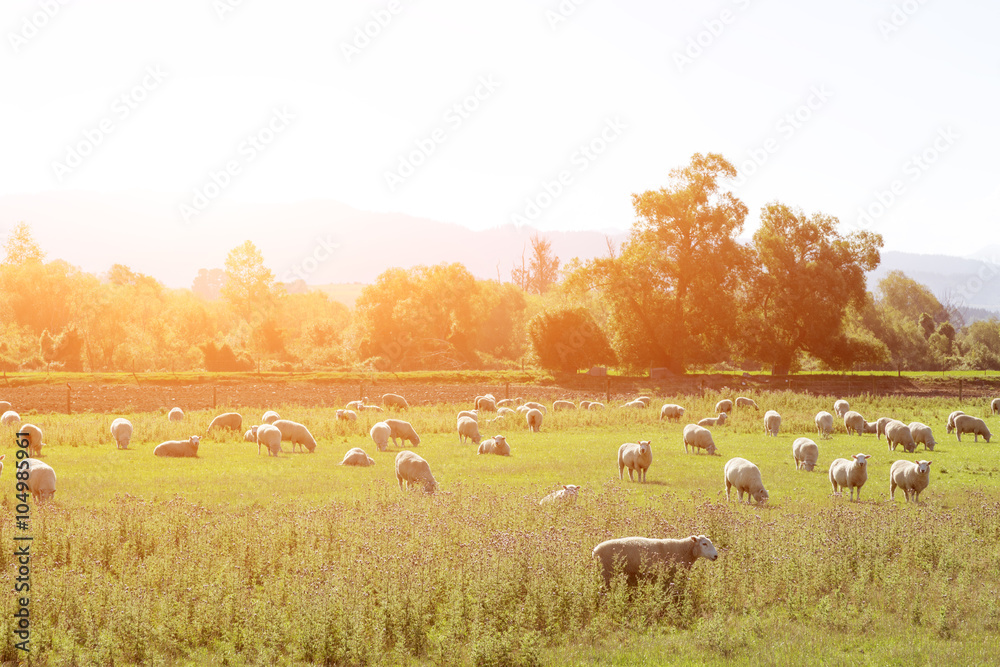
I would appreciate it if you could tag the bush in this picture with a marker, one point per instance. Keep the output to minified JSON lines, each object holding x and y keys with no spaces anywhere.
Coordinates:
{"x":569,"y":340}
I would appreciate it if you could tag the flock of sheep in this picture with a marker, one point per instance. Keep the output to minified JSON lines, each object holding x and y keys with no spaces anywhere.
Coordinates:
{"x":635,"y":556}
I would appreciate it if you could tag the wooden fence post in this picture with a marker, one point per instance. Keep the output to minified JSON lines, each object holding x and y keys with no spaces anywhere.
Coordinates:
{"x":69,"y":391}
{"x":960,"y":388}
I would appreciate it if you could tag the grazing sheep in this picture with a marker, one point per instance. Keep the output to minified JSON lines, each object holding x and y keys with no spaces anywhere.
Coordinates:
{"x":841,"y":407}
{"x":595,"y":406}
{"x":745,"y":476}
{"x":806,"y":453}
{"x":175,"y":415}
{"x":357,"y":457}
{"x":713,"y":421}
{"x":584,"y":405}
{"x":951,"y":420}
{"x":34,"y":439}
{"x":725,"y":405}
{"x":911,"y":476}
{"x":534,"y":419}
{"x":271,"y":416}
{"x":853,"y":421}
{"x":495,"y":445}
{"x":347,"y":415}
{"x":178,"y":448}
{"x":487,"y":403}
{"x":296,"y":433}
{"x":380,"y":433}
{"x":533,"y":405}
{"x":645,"y":399}
{"x":563,"y":405}
{"x":744,"y":402}
{"x":402,"y":430}
{"x":251,"y":434}
{"x":671,"y":412}
{"x":468,"y":428}
{"x":411,"y":469}
{"x":370,"y":408}
{"x":41,"y":480}
{"x":974,"y":425}
{"x":922,"y":435}
{"x":634,"y":404}
{"x":637,"y":457}
{"x":269,"y":436}
{"x":642,"y":557}
{"x":395,"y":401}
{"x":568,"y":493}
{"x":469,"y":413}
{"x":849,"y":474}
{"x":121,"y":431}
{"x":871,"y":427}
{"x":994,"y":406}
{"x":230,"y":420}
{"x":698,"y":437}
{"x":357,"y":405}
{"x":503,"y":412}
{"x":880,"y":426}
{"x":772,"y":422}
{"x":10,"y":418}
{"x":897,"y":433}
{"x":824,"y":424}
{"x":509,"y":402}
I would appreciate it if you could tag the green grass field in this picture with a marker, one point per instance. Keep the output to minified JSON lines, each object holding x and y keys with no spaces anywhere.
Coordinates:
{"x":235,"y":558}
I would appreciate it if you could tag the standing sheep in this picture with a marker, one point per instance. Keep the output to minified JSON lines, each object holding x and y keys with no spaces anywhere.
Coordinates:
{"x":639,"y":405}
{"x":380,"y":433}
{"x":970,"y":424}
{"x":841,"y":407}
{"x":849,"y":474}
{"x":671,"y":412}
{"x":806,"y":453}
{"x":853,"y":421}
{"x":411,"y":469}
{"x":503,"y":412}
{"x":642,"y":557}
{"x":251,"y":434}
{"x":646,"y":400}
{"x":534,"y":419}
{"x":994,"y":406}
{"x":295,"y":433}
{"x":698,"y":437}
{"x":178,"y":448}
{"x":637,"y":457}
{"x":951,"y":420}
{"x":824,"y":424}
{"x":584,"y":405}
{"x":911,"y":476}
{"x":563,"y":405}
{"x":470,"y":413}
{"x":269,"y":436}
{"x":232,"y":421}
{"x":745,"y":476}
{"x":595,"y":406}
{"x":533,"y":405}
{"x":724,"y":405}
{"x":880,"y":426}
{"x":744,"y":402}
{"x":468,"y":428}
{"x":175,"y":415}
{"x":713,"y":421}
{"x":897,"y":433}
{"x":487,"y":403}
{"x":347,"y":415}
{"x":402,"y":430}
{"x":34,"y":439}
{"x":41,"y":479}
{"x":121,"y":431}
{"x":357,"y":457}
{"x":568,"y":493}
{"x":772,"y":423}
{"x":922,"y":435}
{"x":395,"y":401}
{"x":357,"y":405}
{"x":495,"y":445}
{"x":271,"y":416}
{"x":10,"y":418}
{"x":509,"y":402}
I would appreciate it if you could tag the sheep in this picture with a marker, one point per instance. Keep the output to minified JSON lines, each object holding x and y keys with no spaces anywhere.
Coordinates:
{"x":824,"y":424}
{"x":395,"y":401}
{"x":178,"y":448}
{"x":994,"y":406}
{"x":634,"y":404}
{"x":637,"y":457}
{"x":468,"y":428}
{"x":370,"y":408}
{"x":121,"y":431}
{"x":175,"y":415}
{"x":671,"y":412}
{"x":509,"y":402}
{"x":487,"y":403}
{"x":269,"y":435}
{"x":853,"y":421}
{"x":585,"y":404}
{"x":411,"y":469}
{"x":495,"y":445}
{"x":469,"y":413}
{"x":10,"y":418}
{"x":880,"y":426}
{"x":713,"y":421}
{"x":533,"y":418}
{"x":5,"y":406}
{"x":503,"y":412}
{"x":744,"y":402}
{"x":698,"y":437}
{"x":271,"y":416}
{"x":974,"y":425}
{"x":725,"y":405}
{"x":951,"y":420}
{"x":231,"y":420}
{"x":642,"y":557}
{"x":34,"y":439}
{"x":645,"y":399}
{"x":357,"y":457}
{"x":911,"y":476}
{"x":568,"y":493}
{"x":533,"y":405}
{"x":402,"y":430}
{"x":347,"y":415}
{"x":849,"y":474}
{"x":841,"y":407}
{"x":357,"y":405}
{"x":897,"y":433}
{"x":772,"y":422}
{"x":41,"y":480}
{"x":380,"y":433}
{"x":595,"y":406}
{"x":563,"y":405}
{"x":922,"y":435}
{"x":745,"y":476}
{"x":296,"y":433}
{"x":806,"y":453}
{"x":251,"y":434}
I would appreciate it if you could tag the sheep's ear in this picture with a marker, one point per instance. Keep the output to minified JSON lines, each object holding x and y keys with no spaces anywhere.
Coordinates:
{"x":694,"y":538}
{"x":566,"y":486}
{"x":2,"y":457}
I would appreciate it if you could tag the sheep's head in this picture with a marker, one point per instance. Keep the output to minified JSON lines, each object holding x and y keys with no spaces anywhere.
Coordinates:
{"x":711,"y":448}
{"x":722,"y":418}
{"x":760,"y":496}
{"x":194,"y":440}
{"x":644,"y":447}
{"x":500,"y":440}
{"x":923,"y":467}
{"x":861,"y":460}
{"x":570,"y":489}
{"x":703,"y":547}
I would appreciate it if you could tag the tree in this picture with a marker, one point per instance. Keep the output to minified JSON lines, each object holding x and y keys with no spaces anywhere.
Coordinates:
{"x":21,"y":247}
{"x":208,"y":283}
{"x":569,"y":339}
{"x":542,"y":269}
{"x":927,"y":324}
{"x":910,"y":298}
{"x":250,"y":286}
{"x":65,"y":349}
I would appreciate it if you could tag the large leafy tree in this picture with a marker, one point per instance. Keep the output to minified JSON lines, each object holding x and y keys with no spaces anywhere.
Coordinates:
{"x":569,"y":339}
{"x":250,"y":287}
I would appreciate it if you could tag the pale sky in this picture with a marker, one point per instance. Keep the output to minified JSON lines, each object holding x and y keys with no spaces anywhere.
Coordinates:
{"x":835,"y":99}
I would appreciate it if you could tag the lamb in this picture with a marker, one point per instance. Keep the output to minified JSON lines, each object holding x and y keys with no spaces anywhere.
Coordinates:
{"x":271,"y":416}
{"x":745,"y":476}
{"x":175,"y":415}
{"x":637,"y":457}
{"x":671,"y":412}
{"x":230,"y":420}
{"x":347,"y":415}
{"x":178,"y":448}
{"x":568,"y":493}
{"x":713,"y":421}
{"x":251,"y":434}
{"x":951,"y":420}
{"x":41,"y":479}
{"x":698,"y":438}
{"x":898,"y":433}
{"x":357,"y":457}
{"x":744,"y":402}
{"x":772,"y":422}
{"x":411,"y":469}
{"x":824,"y":424}
{"x":10,"y":418}
{"x":880,"y":426}
{"x":468,"y":428}
{"x":974,"y":425}
{"x":841,"y":407}
{"x":849,"y":475}
{"x":853,"y":421}
{"x":380,"y":433}
{"x":584,"y":405}
{"x":806,"y":453}
{"x":994,"y":406}
{"x":534,"y":419}
{"x":469,"y":413}
{"x":595,"y":406}
{"x":911,"y":476}
{"x":725,"y":405}
{"x":402,"y":430}
{"x":563,"y":405}
{"x":395,"y":401}
{"x":533,"y":405}
{"x":269,"y":435}
{"x":643,"y":557}
{"x":487,"y":403}
{"x":295,"y":433}
{"x":34,"y":439}
{"x":121,"y":431}
{"x":922,"y":435}
{"x":495,"y":445}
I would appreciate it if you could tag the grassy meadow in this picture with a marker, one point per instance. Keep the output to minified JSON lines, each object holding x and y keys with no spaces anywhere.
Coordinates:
{"x":238,"y":558}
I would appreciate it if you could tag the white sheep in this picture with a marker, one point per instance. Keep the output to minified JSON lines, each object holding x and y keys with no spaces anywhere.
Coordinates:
{"x":635,"y":456}
{"x":974,"y":425}
{"x":269,"y":436}
{"x":841,"y":407}
{"x":806,"y":453}
{"x":671,"y":412}
{"x":853,"y":421}
{"x":251,"y":434}
{"x":568,"y":493}
{"x":880,"y":426}
{"x":357,"y":457}
{"x":698,"y":437}
{"x":634,"y":404}
{"x":411,"y":469}
{"x":271,"y":416}
{"x":951,"y":420}
{"x":645,"y":399}
{"x":296,"y":433}
{"x":468,"y":428}
{"x":911,"y":476}
{"x":641,"y":557}
{"x":725,"y":405}
{"x":121,"y":431}
{"x":175,"y":415}
{"x":585,"y":404}
{"x":370,"y":408}
{"x":178,"y":448}
{"x":563,"y":405}
{"x":10,"y":418}
{"x":922,"y":435}
{"x":347,"y":415}
{"x":849,"y":474}
{"x":713,"y":421}
{"x":495,"y":445}
{"x":534,"y":405}
{"x":745,"y":476}
{"x":41,"y":480}
{"x":534,"y":419}
{"x":509,"y":402}
{"x":357,"y":405}
{"x":380,"y":433}
{"x":503,"y":412}
{"x":772,"y":422}
{"x":402,"y":430}
{"x":595,"y":406}
{"x":744,"y":402}
{"x":995,"y":406}
{"x":232,"y":421}
{"x":469,"y":413}
{"x":824,"y":424}
{"x":898,"y":433}
{"x":34,"y":439}
{"x":395,"y":401}
{"x":5,"y":406}
{"x":487,"y":403}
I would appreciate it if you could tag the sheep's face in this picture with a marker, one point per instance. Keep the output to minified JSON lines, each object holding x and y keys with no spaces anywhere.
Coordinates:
{"x":644,"y":447}
{"x":722,"y":418}
{"x":703,"y":547}
{"x":48,"y":494}
{"x":500,"y":440}
{"x":194,"y":440}
{"x":761,"y":496}
{"x":861,"y":460}
{"x":923,"y":467}
{"x":571,"y":490}
{"x":711,"y":448}
{"x":807,"y":466}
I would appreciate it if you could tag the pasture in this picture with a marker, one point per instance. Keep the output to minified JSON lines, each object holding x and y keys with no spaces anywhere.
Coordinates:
{"x":239,"y":558}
